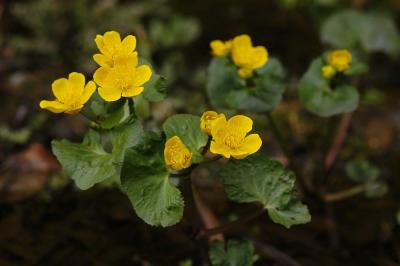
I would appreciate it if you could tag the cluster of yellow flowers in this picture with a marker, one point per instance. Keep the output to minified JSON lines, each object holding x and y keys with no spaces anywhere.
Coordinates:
{"x":245,"y":56}
{"x":338,"y":61}
{"x":118,"y":76}
{"x":228,"y":138}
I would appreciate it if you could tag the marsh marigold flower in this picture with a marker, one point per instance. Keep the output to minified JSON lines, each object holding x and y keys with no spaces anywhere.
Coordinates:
{"x":246,"y":56}
{"x":111,"y":48}
{"x":207,"y":120}
{"x":220,"y":48}
{"x":229,"y":137}
{"x":71,"y":94}
{"x":340,"y":60}
{"x":176,"y":155}
{"x":328,"y":71}
{"x":125,"y":79}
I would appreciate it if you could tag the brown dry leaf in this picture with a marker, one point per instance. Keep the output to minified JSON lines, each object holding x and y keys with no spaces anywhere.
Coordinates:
{"x":25,"y":173}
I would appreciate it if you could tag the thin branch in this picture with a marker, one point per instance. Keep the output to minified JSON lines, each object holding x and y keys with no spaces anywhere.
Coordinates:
{"x":344,"y":194}
{"x":275,"y":254}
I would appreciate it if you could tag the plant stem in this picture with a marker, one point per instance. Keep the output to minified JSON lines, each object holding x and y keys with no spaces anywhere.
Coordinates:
{"x":230,"y":225}
{"x":206,"y":215}
{"x":344,"y":194}
{"x":338,"y":141}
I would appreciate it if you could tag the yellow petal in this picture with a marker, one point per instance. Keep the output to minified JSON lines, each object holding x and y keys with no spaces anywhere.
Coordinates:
{"x":219,"y":148}
{"x":260,"y":56}
{"x":77,"y":80}
{"x":53,"y":106}
{"x":112,"y":40}
{"x":88,"y":91}
{"x":130,"y":60}
{"x":101,"y":59}
{"x":251,"y":144}
{"x":109,"y":94}
{"x":132,"y":91}
{"x":75,"y":110}
{"x":241,"y":41}
{"x":100,"y":75}
{"x":60,"y":88}
{"x":217,"y":130}
{"x":240,"y":123}
{"x":100,"y":43}
{"x":142,"y":75}
{"x":128,"y":44}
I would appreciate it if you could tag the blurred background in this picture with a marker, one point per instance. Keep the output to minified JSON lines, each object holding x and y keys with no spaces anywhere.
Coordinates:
{"x":45,"y":220}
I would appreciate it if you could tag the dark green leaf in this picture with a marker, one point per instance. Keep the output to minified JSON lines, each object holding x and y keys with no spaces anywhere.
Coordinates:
{"x":222,"y":79}
{"x":237,"y":253}
{"x":227,"y":90}
{"x":261,"y":179}
{"x":362,"y":171}
{"x":155,"y":90}
{"x":117,"y":113}
{"x":145,"y":180}
{"x":187,"y":128}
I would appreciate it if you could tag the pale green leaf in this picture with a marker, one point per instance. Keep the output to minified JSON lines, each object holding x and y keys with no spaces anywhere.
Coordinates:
{"x":319,"y":98}
{"x":86,"y":163}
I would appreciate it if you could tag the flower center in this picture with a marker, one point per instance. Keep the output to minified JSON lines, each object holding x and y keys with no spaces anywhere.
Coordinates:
{"x":233,"y":140}
{"x":177,"y":155}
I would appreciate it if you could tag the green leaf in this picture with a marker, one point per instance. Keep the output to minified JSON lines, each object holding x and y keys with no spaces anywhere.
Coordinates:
{"x":362,"y":171}
{"x":187,"y":128}
{"x":222,"y":78}
{"x":373,"y":32}
{"x":124,"y":136}
{"x":227,"y":90}
{"x":237,"y":253}
{"x":261,"y":179}
{"x":155,"y":90}
{"x":319,"y":98}
{"x":86,"y":163}
{"x":265,"y":94}
{"x":144,"y":178}
{"x":117,"y":113}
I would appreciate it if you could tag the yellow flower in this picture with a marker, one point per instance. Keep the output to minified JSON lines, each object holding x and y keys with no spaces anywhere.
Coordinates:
{"x":246,"y":56}
{"x":340,"y":60}
{"x":328,"y":71}
{"x":71,"y":94}
{"x":220,"y":48}
{"x":207,"y":120}
{"x":122,"y":80}
{"x":111,"y":48}
{"x":176,"y":155}
{"x":229,"y":137}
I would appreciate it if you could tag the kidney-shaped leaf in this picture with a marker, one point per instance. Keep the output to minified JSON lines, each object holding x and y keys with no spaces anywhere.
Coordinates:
{"x":261,"y":179}
{"x":86,"y":163}
{"x":319,"y":98}
{"x":145,"y":179}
